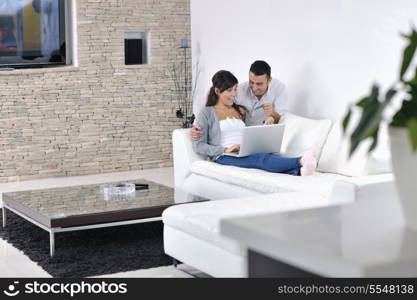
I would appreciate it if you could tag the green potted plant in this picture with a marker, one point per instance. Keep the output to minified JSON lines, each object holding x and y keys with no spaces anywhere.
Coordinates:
{"x":402,"y":127}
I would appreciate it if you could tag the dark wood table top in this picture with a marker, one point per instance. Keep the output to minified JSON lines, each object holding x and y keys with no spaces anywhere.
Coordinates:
{"x":87,"y":205}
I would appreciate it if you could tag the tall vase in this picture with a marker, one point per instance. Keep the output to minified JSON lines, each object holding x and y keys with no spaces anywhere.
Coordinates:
{"x":404,"y":163}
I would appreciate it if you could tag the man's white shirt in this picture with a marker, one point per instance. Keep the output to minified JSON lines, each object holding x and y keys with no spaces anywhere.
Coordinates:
{"x":276,"y":95}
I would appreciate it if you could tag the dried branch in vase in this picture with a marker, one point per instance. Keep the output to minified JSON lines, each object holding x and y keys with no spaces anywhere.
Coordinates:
{"x":184,"y":88}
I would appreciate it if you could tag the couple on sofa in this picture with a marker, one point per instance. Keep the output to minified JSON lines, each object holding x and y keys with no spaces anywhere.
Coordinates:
{"x":220,"y":124}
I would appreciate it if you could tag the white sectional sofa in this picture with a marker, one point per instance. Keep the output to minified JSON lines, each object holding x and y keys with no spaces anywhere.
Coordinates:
{"x":191,"y":232}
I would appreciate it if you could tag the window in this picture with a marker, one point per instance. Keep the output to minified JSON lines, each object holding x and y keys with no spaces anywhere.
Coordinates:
{"x":34,"y":33}
{"x":136,"y":47}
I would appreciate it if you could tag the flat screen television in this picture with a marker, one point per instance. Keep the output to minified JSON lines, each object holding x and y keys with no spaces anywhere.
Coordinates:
{"x":32,"y":33}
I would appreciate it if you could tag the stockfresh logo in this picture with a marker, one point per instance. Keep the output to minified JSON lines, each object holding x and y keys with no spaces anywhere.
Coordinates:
{"x":12,"y":290}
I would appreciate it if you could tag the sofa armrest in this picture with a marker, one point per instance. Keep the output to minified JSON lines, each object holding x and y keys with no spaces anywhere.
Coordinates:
{"x":362,"y":188}
{"x":183,"y":155}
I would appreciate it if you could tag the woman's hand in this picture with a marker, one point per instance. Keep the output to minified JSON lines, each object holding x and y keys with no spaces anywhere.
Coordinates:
{"x":234,"y":148}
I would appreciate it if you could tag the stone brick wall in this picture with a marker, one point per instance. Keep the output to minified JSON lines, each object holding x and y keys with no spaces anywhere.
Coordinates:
{"x":100,"y":116}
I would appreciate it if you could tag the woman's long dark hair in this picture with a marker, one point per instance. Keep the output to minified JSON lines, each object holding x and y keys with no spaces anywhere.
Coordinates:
{"x":223,"y":80}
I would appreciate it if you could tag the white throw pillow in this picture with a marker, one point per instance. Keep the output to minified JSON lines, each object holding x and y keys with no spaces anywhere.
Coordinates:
{"x":335,"y":156}
{"x":302,"y":135}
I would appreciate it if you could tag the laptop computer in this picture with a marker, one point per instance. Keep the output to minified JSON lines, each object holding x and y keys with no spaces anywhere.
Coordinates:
{"x":263,"y":138}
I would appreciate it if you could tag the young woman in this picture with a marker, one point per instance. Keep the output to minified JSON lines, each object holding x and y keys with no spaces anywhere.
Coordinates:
{"x":222,"y":123}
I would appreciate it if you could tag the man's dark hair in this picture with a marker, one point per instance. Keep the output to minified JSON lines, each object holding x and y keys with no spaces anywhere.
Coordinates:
{"x":260,"y":67}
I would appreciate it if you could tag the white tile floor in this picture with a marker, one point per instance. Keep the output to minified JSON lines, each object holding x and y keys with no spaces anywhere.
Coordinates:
{"x":13,"y":263}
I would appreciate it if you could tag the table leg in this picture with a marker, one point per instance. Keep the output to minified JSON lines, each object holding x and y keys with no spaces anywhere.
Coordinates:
{"x":4,"y":216}
{"x":52,"y":242}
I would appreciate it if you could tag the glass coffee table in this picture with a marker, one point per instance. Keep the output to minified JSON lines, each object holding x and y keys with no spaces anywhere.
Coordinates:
{"x":86,"y":207}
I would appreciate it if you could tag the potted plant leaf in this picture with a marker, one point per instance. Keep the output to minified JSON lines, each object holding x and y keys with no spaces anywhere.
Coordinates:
{"x":402,"y":127}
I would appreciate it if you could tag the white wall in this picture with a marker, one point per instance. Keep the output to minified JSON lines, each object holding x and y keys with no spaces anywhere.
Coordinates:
{"x":328,"y":52}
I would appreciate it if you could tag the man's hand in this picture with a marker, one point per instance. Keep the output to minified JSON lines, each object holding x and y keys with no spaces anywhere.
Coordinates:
{"x":272,"y":114}
{"x":269,"y":121}
{"x":234,"y":148}
{"x":195,"y":133}
{"x":268,"y":109}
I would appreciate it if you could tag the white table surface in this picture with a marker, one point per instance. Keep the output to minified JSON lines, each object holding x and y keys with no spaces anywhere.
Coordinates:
{"x":363,"y":239}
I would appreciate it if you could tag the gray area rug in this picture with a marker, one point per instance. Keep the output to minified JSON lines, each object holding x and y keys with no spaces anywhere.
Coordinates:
{"x":89,"y":252}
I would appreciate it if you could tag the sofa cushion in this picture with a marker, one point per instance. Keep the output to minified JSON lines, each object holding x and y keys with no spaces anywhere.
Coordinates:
{"x":202,"y":220}
{"x":266,"y":182}
{"x":302,"y":135}
{"x":335,"y":156}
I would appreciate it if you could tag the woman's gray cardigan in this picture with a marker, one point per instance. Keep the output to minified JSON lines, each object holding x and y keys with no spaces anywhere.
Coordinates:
{"x":210,"y":142}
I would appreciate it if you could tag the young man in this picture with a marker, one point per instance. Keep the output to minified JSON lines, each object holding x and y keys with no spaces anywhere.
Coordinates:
{"x":264,"y":97}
